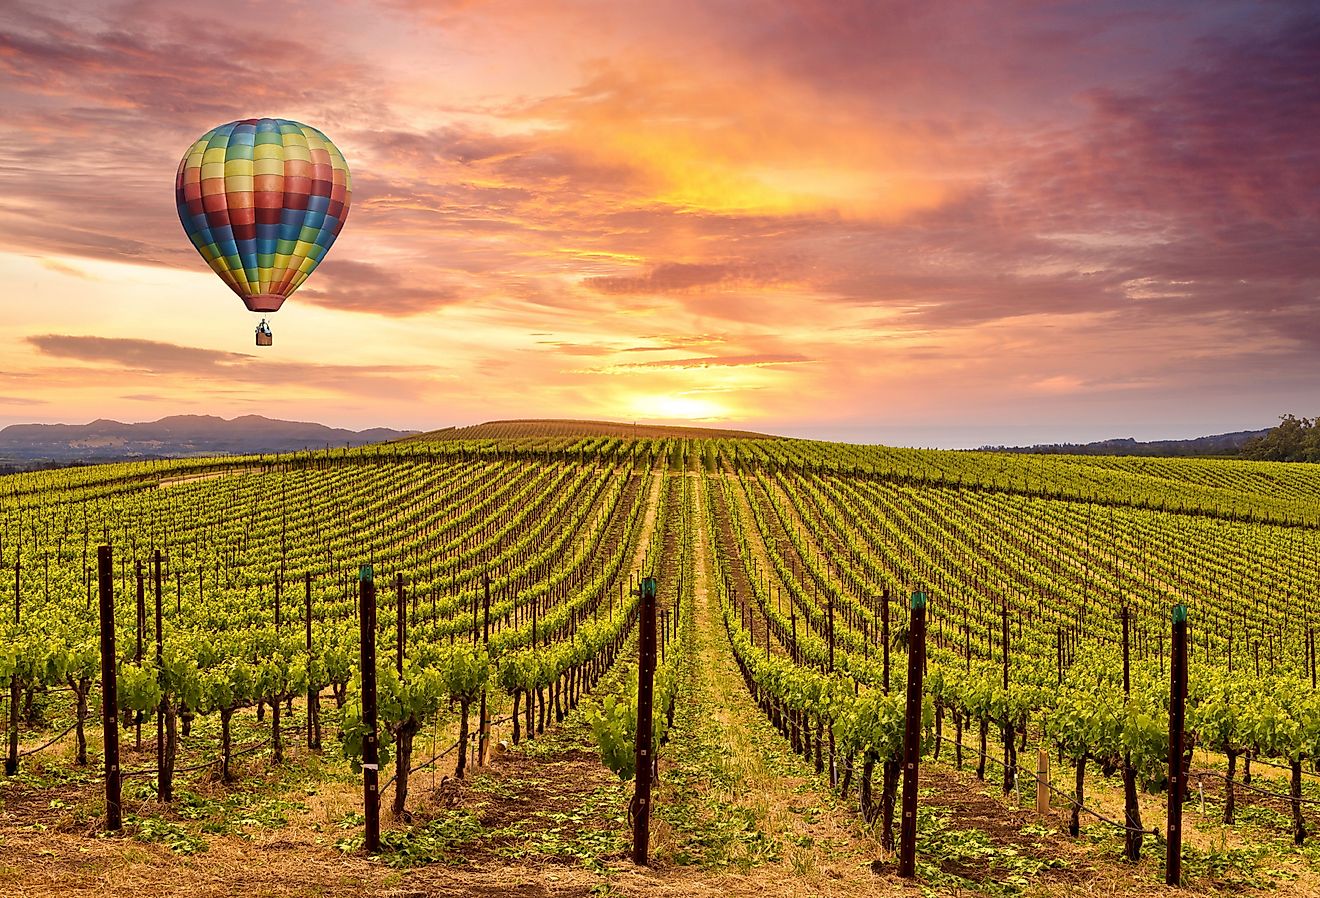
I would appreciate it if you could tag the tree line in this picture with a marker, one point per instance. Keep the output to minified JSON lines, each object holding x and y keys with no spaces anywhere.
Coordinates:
{"x":1293,"y":439}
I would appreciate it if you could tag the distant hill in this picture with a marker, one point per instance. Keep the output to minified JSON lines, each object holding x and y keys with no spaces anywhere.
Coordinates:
{"x":563,"y":427}
{"x":1218,"y":444}
{"x":38,"y":445}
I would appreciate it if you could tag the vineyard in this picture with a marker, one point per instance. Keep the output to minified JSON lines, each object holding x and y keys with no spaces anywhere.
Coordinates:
{"x":499,"y":578}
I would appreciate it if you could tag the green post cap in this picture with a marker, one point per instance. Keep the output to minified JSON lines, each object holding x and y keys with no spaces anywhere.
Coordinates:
{"x":648,"y":587}
{"x":364,"y":573}
{"x":918,"y":600}
{"x":1180,"y":613}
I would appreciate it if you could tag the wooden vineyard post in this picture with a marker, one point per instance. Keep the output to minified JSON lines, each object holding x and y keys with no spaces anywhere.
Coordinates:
{"x":164,"y":784}
{"x":1042,"y":783}
{"x":1010,"y":757}
{"x":313,"y":694}
{"x":831,"y":613}
{"x":11,"y":759}
{"x":483,"y":730}
{"x":1131,"y":809}
{"x":141,"y":634}
{"x":400,"y":623}
{"x":370,"y":748}
{"x":641,"y":803}
{"x":907,"y":846}
{"x":1177,"y":783}
{"x":884,"y":636}
{"x":105,"y":572}
{"x":1310,"y":651}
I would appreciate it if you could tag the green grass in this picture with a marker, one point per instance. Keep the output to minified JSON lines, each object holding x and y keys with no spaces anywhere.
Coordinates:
{"x":940,"y":846}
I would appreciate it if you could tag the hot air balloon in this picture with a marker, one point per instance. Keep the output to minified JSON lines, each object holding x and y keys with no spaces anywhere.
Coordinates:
{"x":263,"y":200}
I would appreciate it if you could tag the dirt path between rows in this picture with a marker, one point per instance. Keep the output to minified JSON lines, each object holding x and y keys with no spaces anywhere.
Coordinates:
{"x":737,"y":809}
{"x":167,"y":482}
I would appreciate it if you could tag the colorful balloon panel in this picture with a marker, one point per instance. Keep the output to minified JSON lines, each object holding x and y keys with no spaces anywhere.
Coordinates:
{"x":263,"y":200}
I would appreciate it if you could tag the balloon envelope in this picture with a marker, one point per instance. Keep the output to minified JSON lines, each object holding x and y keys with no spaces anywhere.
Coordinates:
{"x":263,"y":200}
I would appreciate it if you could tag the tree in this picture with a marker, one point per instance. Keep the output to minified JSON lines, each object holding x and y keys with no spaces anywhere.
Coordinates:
{"x":1294,"y":439}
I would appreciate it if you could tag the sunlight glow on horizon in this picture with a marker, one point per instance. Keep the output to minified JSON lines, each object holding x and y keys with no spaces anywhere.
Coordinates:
{"x":678,"y":408}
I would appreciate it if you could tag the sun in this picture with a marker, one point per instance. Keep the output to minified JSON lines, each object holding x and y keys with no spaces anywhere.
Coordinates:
{"x":676,"y":407}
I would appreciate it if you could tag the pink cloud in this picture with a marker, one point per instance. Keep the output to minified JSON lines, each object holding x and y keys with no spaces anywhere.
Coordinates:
{"x":153,"y":359}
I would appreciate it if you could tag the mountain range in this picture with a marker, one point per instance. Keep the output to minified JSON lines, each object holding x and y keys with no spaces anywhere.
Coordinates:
{"x":24,"y":446}
{"x":1216,"y":444}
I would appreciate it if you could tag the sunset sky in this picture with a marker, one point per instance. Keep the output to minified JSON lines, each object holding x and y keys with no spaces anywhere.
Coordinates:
{"x":939,"y":224}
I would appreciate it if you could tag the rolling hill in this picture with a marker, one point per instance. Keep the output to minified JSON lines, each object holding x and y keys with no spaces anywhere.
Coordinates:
{"x":179,"y":436}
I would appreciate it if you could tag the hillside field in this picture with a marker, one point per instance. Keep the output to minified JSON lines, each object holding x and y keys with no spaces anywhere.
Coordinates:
{"x":505,"y":563}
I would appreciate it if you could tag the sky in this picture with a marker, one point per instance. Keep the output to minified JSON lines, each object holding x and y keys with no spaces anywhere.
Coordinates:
{"x":931,"y":224}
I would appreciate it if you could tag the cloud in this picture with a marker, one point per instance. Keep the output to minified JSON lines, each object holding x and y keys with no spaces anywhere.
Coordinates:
{"x":662,"y":342}
{"x":728,"y":361}
{"x":374,"y":289}
{"x":100,"y":108}
{"x":139,"y":355}
{"x":170,"y":64}
{"x":577,"y":349}
{"x":158,"y":359}
{"x":1227,"y":141}
{"x":64,"y":268}
{"x":679,"y":277}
